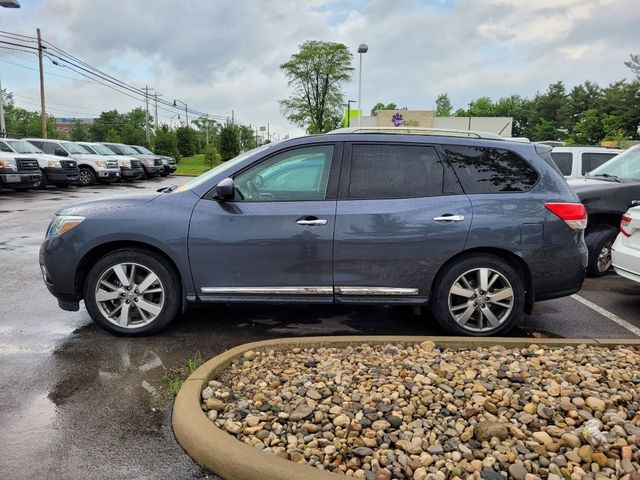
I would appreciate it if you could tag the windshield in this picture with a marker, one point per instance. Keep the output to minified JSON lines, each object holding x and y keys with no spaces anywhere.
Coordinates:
{"x":625,"y":165}
{"x":102,"y":150}
{"x":221,"y":168}
{"x":73,"y":148}
{"x":20,"y":146}
{"x":87,"y":148}
{"x":146,"y":151}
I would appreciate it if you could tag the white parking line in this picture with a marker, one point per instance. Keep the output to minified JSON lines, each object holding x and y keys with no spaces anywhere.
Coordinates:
{"x":611,"y":316}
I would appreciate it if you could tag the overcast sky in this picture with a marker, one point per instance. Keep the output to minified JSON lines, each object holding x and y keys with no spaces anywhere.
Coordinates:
{"x":219,"y":56}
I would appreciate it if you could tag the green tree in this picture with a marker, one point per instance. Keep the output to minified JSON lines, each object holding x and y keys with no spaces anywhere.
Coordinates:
{"x":588,"y":130}
{"x":482,"y":107}
{"x":24,"y":123}
{"x":544,"y":130}
{"x":186,"y":141}
{"x":634,"y":63}
{"x":211,"y":155}
{"x":112,"y":136}
{"x":110,"y":120}
{"x":166,"y":142}
{"x":382,"y":106}
{"x":316,"y":74}
{"x":247,"y":138}
{"x":443,"y":105}
{"x":517,"y":108}
{"x":229,"y":142}
{"x":80,"y":133}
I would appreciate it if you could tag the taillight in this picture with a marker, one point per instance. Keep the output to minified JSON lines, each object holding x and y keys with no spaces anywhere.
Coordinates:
{"x":573,"y":214}
{"x":624,"y":225}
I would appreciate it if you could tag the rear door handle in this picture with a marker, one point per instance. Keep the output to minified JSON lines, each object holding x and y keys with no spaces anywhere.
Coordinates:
{"x":311,"y":221}
{"x":449,"y":218}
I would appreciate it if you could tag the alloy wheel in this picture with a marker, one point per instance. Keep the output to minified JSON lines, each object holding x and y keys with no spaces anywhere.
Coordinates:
{"x":84,"y":177}
{"x":480,"y":300}
{"x":129,"y":295}
{"x":604,"y":257}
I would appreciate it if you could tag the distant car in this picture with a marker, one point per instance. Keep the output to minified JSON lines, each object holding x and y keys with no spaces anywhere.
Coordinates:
{"x":130,"y":167}
{"x":152,"y":164}
{"x":607,"y":193}
{"x":55,"y":170}
{"x":169,"y":163}
{"x":577,"y":161}
{"x":92,"y":169}
{"x":625,"y":253}
{"x":19,"y":172}
{"x":477,"y":229}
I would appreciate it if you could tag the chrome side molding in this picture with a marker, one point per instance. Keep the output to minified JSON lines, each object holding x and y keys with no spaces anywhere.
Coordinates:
{"x":384,"y":291}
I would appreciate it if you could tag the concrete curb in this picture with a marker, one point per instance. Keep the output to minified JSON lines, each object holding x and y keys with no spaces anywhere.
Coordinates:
{"x":228,"y":457}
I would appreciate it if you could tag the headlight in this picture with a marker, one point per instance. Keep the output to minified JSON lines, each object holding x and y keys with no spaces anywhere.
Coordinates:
{"x":149,"y":163}
{"x":101,"y":163}
{"x":125,"y":163}
{"x":9,"y":163}
{"x":61,"y":224}
{"x":55,"y":164}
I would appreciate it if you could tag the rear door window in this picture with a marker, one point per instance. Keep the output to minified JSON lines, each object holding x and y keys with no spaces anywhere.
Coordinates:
{"x":564,"y":161}
{"x":591,"y":161}
{"x":395,"y":171}
{"x":491,"y":170}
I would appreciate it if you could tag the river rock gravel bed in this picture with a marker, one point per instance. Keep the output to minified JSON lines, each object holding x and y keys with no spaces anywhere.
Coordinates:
{"x":416,"y":411}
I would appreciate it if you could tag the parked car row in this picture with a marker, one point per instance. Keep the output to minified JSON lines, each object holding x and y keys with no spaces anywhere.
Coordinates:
{"x":38,"y":162}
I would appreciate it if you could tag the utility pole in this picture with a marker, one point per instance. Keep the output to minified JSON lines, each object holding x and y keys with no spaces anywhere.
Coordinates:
{"x":206,"y":129}
{"x":146,"y":112}
{"x":3,"y":130}
{"x":43,"y":112}
{"x":155,"y":97}
{"x":232,"y":118}
{"x":268,"y":134}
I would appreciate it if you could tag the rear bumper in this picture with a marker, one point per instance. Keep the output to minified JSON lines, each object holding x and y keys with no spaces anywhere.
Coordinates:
{"x":626,"y":260}
{"x":61,"y":176}
{"x":558,"y":271}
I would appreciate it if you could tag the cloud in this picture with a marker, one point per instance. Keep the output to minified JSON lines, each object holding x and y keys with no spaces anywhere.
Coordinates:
{"x":225,"y":55}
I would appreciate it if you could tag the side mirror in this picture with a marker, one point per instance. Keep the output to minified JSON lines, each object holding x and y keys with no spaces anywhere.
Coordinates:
{"x":225,"y":190}
{"x":60,"y":152}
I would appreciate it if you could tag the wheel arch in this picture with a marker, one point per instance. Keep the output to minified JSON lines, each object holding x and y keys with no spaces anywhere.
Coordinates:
{"x":514,"y":260}
{"x":99,"y":251}
{"x":609,"y":219}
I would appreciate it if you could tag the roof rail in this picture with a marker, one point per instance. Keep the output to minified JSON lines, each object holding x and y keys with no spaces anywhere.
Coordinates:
{"x":421,"y":131}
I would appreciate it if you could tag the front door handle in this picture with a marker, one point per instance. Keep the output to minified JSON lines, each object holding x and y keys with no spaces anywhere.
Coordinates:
{"x":449,"y":218}
{"x":311,"y":221}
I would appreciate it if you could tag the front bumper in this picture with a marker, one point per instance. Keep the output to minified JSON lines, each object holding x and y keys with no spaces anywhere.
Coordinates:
{"x":108,"y":174}
{"x":626,"y":260}
{"x":131,"y":173}
{"x":168,"y":169}
{"x":154,"y":171}
{"x":10,"y":179}
{"x":61,"y":176}
{"x":58,"y":273}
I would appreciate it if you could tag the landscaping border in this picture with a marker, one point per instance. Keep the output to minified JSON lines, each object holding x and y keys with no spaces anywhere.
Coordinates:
{"x":232,"y":459}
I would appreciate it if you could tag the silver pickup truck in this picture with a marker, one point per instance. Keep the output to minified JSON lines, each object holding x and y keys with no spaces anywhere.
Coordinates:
{"x":19,"y":172}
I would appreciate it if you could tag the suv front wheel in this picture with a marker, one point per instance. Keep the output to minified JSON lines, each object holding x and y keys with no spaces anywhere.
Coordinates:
{"x":132,"y":292}
{"x":478,"y":295}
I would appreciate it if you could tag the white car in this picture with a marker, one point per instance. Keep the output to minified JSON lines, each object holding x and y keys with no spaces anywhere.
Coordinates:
{"x":625,"y":253}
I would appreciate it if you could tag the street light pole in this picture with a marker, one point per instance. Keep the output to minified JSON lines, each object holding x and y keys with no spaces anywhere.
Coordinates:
{"x":186,"y":111}
{"x":363,"y":48}
{"x":43,"y":113}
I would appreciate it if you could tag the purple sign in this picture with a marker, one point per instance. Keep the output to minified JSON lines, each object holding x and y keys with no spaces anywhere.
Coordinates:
{"x":397,"y":119}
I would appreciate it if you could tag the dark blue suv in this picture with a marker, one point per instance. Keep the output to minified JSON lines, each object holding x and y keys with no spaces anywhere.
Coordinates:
{"x":476,"y":227}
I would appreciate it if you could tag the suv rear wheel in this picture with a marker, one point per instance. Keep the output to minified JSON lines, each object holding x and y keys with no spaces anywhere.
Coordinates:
{"x":599,"y":242}
{"x":132,"y":292}
{"x":479,"y":295}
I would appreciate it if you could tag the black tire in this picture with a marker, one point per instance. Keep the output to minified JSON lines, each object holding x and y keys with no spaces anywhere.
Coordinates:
{"x":87,"y":177}
{"x":599,"y":241}
{"x":167,"y":275}
{"x":508,"y":278}
{"x":43,"y":182}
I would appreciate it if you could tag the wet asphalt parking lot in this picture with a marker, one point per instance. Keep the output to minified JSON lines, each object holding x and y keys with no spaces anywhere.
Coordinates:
{"x":77,"y":402}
